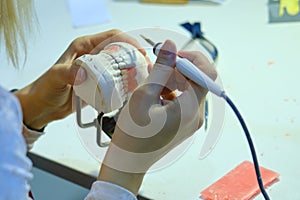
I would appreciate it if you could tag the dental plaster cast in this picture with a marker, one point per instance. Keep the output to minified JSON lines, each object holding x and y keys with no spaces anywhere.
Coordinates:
{"x":112,"y":75}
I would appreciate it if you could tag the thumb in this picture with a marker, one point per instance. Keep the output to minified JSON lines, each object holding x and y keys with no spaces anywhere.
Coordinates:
{"x":65,"y":74}
{"x":162,"y":69}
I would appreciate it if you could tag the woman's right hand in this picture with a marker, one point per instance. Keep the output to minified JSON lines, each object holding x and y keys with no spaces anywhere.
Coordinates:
{"x":148,"y":126}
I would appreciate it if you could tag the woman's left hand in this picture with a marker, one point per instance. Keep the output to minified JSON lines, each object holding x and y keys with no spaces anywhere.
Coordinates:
{"x":50,"y":97}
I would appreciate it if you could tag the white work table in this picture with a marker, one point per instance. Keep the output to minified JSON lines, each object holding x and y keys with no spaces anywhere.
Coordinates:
{"x":258,"y":64}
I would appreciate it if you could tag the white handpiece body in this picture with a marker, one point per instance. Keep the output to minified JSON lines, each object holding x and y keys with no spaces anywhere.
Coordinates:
{"x":195,"y":74}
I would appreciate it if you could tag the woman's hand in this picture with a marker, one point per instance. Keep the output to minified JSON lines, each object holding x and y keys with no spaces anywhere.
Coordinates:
{"x":50,"y":96}
{"x":148,"y":126}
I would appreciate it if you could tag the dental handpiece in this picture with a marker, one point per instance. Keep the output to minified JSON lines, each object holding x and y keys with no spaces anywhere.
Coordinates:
{"x":189,"y":70}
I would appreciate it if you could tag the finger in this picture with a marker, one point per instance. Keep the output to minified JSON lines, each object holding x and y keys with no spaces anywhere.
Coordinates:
{"x":93,"y":44}
{"x":78,"y":47}
{"x":190,"y":103}
{"x":200,"y":61}
{"x":181,"y":81}
{"x":150,"y":65}
{"x":162,"y":70}
{"x":65,"y":74}
{"x":113,"y":36}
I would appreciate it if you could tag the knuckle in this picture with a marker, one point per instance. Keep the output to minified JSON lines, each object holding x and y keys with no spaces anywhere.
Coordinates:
{"x":113,"y":32}
{"x":207,"y":66}
{"x":213,"y":74}
{"x":77,"y":41}
{"x":81,"y":43}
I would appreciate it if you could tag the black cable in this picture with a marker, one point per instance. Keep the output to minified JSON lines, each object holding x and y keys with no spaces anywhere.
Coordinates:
{"x":255,"y":161}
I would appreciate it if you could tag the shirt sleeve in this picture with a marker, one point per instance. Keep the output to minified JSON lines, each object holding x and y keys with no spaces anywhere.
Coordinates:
{"x":102,"y":190}
{"x":31,"y":136}
{"x":15,"y":166}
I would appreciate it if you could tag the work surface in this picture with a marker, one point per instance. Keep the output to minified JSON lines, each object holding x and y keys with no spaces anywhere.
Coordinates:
{"x":259,"y":68}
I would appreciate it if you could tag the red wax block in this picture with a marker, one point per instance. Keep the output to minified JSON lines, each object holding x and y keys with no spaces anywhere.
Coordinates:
{"x":239,"y":184}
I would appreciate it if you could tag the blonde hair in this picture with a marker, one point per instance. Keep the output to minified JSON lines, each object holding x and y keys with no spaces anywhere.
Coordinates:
{"x":15,"y":22}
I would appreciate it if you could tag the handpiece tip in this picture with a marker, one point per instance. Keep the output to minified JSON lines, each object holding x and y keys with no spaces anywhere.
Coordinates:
{"x":142,"y":36}
{"x":147,"y":40}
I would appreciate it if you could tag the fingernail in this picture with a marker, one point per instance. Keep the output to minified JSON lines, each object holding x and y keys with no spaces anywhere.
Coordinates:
{"x":81,"y":75}
{"x":167,"y":54}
